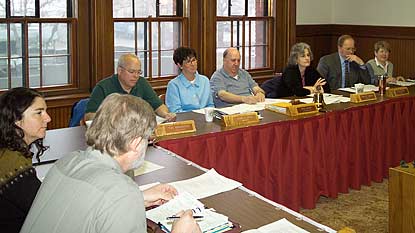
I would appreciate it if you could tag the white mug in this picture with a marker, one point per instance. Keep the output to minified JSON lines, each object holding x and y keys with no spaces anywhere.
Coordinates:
{"x":209,"y":114}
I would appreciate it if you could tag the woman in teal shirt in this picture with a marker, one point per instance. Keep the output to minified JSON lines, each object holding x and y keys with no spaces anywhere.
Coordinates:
{"x":189,"y":90}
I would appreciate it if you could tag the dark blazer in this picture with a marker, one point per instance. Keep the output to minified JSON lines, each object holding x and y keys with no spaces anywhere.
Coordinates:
{"x":290,"y":84}
{"x":330,"y":68}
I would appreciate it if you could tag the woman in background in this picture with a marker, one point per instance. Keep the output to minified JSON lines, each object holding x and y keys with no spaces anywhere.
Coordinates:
{"x":189,"y":90}
{"x":381,"y":65}
{"x":23,"y":123}
{"x":298,"y":78}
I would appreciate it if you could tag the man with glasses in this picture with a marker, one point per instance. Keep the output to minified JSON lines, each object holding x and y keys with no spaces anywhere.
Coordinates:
{"x":127,"y":81}
{"x":233,"y":85}
{"x":343,"y":68}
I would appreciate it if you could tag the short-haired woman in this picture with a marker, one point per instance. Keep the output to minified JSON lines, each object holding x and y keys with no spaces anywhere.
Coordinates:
{"x":298,"y":78}
{"x":189,"y":90}
{"x":23,"y":123}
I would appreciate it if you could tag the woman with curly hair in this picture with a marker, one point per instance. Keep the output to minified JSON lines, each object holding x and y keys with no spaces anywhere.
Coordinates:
{"x":23,"y":123}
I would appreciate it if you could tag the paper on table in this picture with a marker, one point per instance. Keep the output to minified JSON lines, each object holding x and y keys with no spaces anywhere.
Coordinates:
{"x":160,"y":120}
{"x":185,"y":201}
{"x":205,"y":185}
{"x":147,"y":167}
{"x":369,"y":87}
{"x":404,"y":84}
{"x":242,"y":108}
{"x":280,"y":226}
{"x":147,"y":186}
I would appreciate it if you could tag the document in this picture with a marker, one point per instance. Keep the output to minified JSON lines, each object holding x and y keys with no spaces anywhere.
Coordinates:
{"x":280,"y":226}
{"x":329,"y":99}
{"x":367,"y":88}
{"x":147,"y":167}
{"x":243,"y":108}
{"x":185,"y":201}
{"x":205,"y":185}
{"x":404,"y":84}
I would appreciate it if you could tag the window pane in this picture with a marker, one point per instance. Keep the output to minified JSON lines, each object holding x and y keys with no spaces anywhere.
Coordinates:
{"x":53,"y":8}
{"x":16,"y":39}
{"x":237,"y":34}
{"x":55,"y":71}
{"x":22,"y":8}
{"x":258,"y":32}
{"x":122,"y":8}
{"x":222,"y":7}
{"x":256,"y":8}
{"x":155,"y":64}
{"x":223,"y":34}
{"x":167,"y":64}
{"x":124,"y":37}
{"x":33,"y":39}
{"x":2,"y":13}
{"x":3,"y":40}
{"x":219,"y":57}
{"x":167,"y":7}
{"x":257,"y":57}
{"x":155,"y":35}
{"x":144,"y":8}
{"x":34,"y":72}
{"x":4,"y":82}
{"x":142,"y":36}
{"x":54,"y":38}
{"x":144,"y":58}
{"x":170,"y":35}
{"x":238,"y":7}
{"x":16,"y":66}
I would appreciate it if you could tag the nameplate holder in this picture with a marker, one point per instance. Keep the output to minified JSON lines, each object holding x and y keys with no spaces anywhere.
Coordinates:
{"x":293,"y":110}
{"x":241,"y":119}
{"x":363,"y":97}
{"x":397,"y":92}
{"x":172,"y":128}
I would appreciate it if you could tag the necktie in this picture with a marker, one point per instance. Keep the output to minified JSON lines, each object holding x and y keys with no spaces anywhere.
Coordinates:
{"x":346,"y":81}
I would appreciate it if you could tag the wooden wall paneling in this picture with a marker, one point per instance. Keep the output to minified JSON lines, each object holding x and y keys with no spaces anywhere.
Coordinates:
{"x":323,"y":40}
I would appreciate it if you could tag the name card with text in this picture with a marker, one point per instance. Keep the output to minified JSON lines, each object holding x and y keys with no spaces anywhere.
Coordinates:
{"x":363,"y":97}
{"x":293,"y":109}
{"x":241,"y":119}
{"x":172,"y":128}
{"x":397,"y":92}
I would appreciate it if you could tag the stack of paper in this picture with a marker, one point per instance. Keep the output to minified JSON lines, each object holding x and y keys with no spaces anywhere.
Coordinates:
{"x":185,"y":201}
{"x":367,"y":88}
{"x":404,"y":84}
{"x":243,"y":108}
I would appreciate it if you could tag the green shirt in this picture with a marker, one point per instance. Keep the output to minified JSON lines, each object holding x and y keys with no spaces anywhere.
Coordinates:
{"x":111,"y":85}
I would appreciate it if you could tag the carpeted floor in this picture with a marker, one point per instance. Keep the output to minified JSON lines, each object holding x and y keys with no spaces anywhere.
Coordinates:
{"x":364,"y":210}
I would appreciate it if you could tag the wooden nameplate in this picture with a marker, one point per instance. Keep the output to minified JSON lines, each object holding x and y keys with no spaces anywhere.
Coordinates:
{"x":397,"y":92}
{"x":240,"y":119}
{"x":172,"y":128}
{"x":293,"y":110}
{"x":363,"y":97}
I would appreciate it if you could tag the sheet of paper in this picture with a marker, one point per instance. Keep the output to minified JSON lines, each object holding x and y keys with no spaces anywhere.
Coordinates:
{"x":147,"y":167}
{"x":280,"y":226}
{"x":242,"y":108}
{"x":160,"y":119}
{"x":205,"y":185}
{"x":147,"y":186}
{"x":404,"y":84}
{"x":369,"y":87}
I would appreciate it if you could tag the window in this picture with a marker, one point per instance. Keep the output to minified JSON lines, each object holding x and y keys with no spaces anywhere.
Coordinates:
{"x":151,"y":29}
{"x":246,"y":25}
{"x":35,"y":43}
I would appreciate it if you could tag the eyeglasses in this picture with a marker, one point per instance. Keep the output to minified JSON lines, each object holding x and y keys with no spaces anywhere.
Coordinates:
{"x":139,"y":72}
{"x":350,"y":49}
{"x":191,"y":61}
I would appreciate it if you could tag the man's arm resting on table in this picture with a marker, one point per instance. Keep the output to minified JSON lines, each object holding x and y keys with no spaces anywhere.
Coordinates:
{"x":236,"y":99}
{"x":163,"y":111}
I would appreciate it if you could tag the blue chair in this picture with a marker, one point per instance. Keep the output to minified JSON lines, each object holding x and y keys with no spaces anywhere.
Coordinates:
{"x":78,"y":112}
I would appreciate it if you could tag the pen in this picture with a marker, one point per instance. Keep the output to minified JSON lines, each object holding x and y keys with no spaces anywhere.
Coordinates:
{"x":177,"y":217}
{"x":250,"y":91}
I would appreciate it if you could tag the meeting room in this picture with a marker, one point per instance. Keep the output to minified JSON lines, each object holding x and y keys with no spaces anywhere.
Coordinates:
{"x":256,"y":116}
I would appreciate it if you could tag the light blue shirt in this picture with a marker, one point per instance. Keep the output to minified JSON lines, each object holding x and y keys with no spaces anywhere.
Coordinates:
{"x":184,"y":96}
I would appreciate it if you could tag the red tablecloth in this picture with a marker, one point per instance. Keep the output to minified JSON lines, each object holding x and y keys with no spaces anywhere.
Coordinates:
{"x":294,"y":162}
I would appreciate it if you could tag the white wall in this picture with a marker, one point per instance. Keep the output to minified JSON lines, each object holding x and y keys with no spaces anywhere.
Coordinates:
{"x":357,"y":12}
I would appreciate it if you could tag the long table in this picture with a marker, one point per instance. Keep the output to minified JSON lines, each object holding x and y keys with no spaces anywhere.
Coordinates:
{"x":294,"y":160}
{"x":243,"y":206}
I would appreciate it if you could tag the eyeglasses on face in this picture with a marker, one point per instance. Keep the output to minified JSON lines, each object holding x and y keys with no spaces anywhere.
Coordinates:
{"x":191,"y":61}
{"x":350,"y":49}
{"x":139,"y":72}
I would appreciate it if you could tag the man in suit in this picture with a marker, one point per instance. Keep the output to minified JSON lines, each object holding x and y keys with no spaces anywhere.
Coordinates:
{"x":344,"y":68}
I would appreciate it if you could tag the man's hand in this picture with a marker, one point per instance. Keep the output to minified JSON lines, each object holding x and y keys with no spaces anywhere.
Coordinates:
{"x":354,"y":58}
{"x":260,"y":96}
{"x":249,"y":99}
{"x":186,"y":223}
{"x":170,"y":117}
{"x":158,"y":195}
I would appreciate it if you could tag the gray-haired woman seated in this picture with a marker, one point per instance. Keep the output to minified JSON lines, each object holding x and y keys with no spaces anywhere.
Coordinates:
{"x":298,"y":78}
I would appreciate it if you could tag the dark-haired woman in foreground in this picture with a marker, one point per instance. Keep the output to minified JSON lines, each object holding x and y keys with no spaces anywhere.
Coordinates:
{"x":23,"y":123}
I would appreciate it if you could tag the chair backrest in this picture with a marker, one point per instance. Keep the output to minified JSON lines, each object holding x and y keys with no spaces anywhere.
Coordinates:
{"x":272,"y":86}
{"x":78,"y":112}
